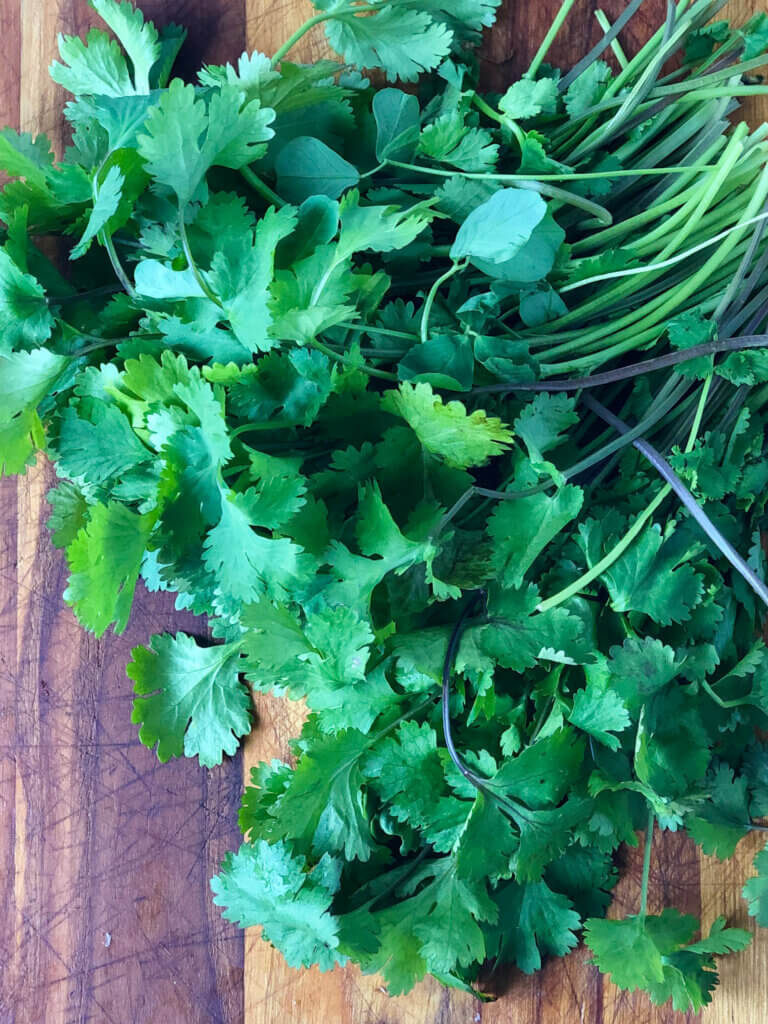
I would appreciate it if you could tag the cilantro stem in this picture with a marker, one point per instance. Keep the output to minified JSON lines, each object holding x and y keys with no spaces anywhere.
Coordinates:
{"x":554,"y":28}
{"x":599,"y":47}
{"x":632,"y":370}
{"x":532,"y":182}
{"x":318,"y":19}
{"x":696,"y":512}
{"x":204,"y":286}
{"x":488,"y":110}
{"x":367,"y":329}
{"x":647,"y":863}
{"x":261,"y":187}
{"x":607,"y":560}
{"x":635,"y":172}
{"x":114,"y":259}
{"x":347,"y":360}
{"x":725,"y":704}
{"x":450,"y":657}
{"x":300,"y":32}
{"x":246,"y":428}
{"x":616,"y":48}
{"x":651,"y":267}
{"x":634,"y":530}
{"x":455,"y":268}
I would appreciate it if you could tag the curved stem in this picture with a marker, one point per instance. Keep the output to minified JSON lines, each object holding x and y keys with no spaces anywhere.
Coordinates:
{"x":707,"y":348}
{"x":261,"y":187}
{"x":450,"y":657}
{"x":432,"y":294}
{"x":678,"y":258}
{"x":341,"y":357}
{"x":114,"y":259}
{"x":634,"y":530}
{"x":204,"y":286}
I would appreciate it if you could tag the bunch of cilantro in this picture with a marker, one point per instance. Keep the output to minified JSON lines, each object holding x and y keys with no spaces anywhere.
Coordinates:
{"x":449,"y":410}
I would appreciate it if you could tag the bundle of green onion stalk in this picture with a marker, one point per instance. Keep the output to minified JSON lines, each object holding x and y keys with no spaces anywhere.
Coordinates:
{"x":448,"y":409}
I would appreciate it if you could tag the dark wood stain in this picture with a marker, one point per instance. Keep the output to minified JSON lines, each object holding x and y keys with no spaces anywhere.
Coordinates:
{"x":105,"y":855}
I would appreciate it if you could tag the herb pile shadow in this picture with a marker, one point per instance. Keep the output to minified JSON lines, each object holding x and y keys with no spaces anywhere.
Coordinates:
{"x":451,"y":416}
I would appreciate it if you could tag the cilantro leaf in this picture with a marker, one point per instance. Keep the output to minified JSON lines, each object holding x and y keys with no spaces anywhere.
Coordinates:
{"x":536,"y":922}
{"x":755,"y":891}
{"x":106,"y":199}
{"x":656,"y":954}
{"x":719,"y":825}
{"x":527,"y":98}
{"x":323,"y":808}
{"x":139,"y":38}
{"x":266,"y":884}
{"x":498,"y":229}
{"x":600,"y":712}
{"x":189,"y":699}
{"x":241,"y":274}
{"x":521,"y":530}
{"x":307,"y":167}
{"x":185,"y":137}
{"x":25,"y":318}
{"x":104,"y":561}
{"x":461,"y":439}
{"x":401,"y":41}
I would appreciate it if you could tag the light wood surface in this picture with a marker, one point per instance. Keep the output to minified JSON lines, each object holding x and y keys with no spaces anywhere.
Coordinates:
{"x":104,"y":854}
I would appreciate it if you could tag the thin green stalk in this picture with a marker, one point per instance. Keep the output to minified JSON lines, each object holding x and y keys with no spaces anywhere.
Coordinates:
{"x":204,"y":286}
{"x":554,"y":28}
{"x":106,"y":240}
{"x":261,"y":187}
{"x":657,"y":311}
{"x":455,"y":268}
{"x":651,"y":267}
{"x":647,"y":863}
{"x":563,"y":176}
{"x":607,"y":560}
{"x":317,"y":19}
{"x":347,"y":360}
{"x":616,"y":48}
{"x":725,"y":704}
{"x":488,"y":110}
{"x":634,"y":530}
{"x":368,"y":329}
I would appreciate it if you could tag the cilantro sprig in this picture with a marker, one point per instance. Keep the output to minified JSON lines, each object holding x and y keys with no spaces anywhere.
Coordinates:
{"x":451,"y":417}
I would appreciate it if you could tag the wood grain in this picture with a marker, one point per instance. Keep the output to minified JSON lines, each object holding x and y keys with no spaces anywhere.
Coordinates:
{"x":106,"y":854}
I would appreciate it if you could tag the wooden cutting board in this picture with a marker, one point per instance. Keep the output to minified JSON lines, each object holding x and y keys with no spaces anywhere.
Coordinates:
{"x":104,"y":854}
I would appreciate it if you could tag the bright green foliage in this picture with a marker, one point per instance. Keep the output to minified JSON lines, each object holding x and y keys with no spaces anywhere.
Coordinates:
{"x":189,"y":698}
{"x":445,"y":429}
{"x":342,"y":407}
{"x":139,"y":38}
{"x":106,"y":199}
{"x":534,"y":921}
{"x":24,"y":315}
{"x":601,"y":713}
{"x":401,"y":40}
{"x":185,"y":137}
{"x":756,"y":890}
{"x":264,"y":884}
{"x":104,"y":561}
{"x":520,"y":530}
{"x":527,"y":98}
{"x":656,"y":954}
